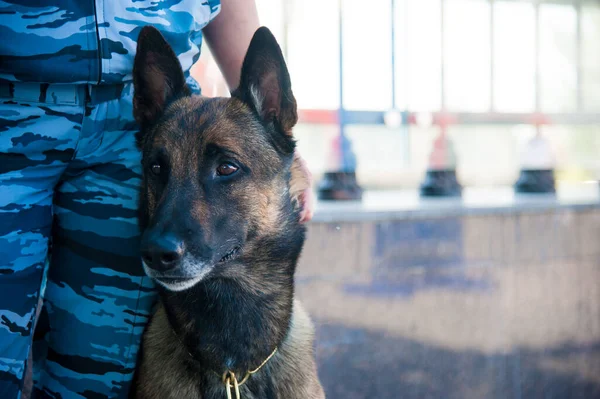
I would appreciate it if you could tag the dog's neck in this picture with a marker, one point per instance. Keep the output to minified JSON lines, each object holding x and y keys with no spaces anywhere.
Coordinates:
{"x":234,"y":324}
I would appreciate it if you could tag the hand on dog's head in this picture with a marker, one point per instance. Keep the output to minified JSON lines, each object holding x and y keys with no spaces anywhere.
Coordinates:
{"x":217,"y":173}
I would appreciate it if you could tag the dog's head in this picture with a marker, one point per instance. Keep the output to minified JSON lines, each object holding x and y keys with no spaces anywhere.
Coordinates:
{"x":217,"y":172}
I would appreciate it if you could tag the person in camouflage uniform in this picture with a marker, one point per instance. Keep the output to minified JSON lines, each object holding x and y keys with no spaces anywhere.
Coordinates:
{"x":69,"y":176}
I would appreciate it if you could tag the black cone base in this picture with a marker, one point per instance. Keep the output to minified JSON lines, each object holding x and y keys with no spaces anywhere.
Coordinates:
{"x":339,"y":186}
{"x":440,"y":183}
{"x":538,"y":181}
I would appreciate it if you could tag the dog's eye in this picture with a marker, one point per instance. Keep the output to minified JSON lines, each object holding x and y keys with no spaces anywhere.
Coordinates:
{"x":155,"y":169}
{"x":226,"y":169}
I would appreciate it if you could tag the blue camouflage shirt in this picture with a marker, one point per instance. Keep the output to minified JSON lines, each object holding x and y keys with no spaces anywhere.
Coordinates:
{"x":93,"y":41}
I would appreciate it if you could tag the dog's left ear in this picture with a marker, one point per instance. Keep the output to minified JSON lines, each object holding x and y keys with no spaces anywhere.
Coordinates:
{"x":265,"y":82}
{"x":157,"y":77}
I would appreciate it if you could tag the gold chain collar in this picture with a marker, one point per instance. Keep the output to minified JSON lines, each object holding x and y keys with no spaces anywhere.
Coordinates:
{"x":229,"y":379}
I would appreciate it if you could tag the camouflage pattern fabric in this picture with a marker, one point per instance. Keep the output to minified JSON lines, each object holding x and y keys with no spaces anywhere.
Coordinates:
{"x":70,"y":174}
{"x":87,"y":41}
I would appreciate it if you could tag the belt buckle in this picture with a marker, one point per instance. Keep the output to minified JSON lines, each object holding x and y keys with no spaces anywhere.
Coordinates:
{"x":63,"y":94}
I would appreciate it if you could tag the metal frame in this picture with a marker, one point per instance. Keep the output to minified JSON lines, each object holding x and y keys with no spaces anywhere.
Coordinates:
{"x":492,"y":57}
{"x":443,"y":55}
{"x":578,"y":55}
{"x":537,"y":117}
{"x":538,"y":84}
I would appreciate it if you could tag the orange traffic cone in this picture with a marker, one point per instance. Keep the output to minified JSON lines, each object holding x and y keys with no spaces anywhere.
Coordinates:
{"x":440,"y":178}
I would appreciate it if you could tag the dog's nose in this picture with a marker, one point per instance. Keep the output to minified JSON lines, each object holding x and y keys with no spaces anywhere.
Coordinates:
{"x":162,"y":253}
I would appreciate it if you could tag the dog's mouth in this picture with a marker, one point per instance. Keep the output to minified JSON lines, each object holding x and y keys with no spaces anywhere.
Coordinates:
{"x":193,"y":272}
{"x":232,"y":254}
{"x":178,"y":283}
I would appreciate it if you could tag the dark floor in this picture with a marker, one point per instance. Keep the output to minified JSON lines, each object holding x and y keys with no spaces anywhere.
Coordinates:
{"x":358,"y":363}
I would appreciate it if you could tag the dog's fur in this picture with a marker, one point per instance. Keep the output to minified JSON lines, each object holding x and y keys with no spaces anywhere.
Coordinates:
{"x":222,"y":248}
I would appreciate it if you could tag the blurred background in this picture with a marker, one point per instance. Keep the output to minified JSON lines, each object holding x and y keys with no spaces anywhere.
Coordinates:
{"x":455,"y":145}
{"x":496,"y":67}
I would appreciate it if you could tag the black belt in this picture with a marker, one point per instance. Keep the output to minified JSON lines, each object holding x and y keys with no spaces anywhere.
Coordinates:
{"x":60,"y":94}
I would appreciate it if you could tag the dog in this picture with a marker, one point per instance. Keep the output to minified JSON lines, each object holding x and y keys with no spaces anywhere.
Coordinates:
{"x":221,"y":237}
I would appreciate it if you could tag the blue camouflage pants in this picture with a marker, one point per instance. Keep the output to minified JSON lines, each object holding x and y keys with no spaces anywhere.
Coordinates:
{"x":69,"y":177}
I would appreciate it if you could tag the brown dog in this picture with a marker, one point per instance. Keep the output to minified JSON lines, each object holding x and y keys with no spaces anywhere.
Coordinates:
{"x":221,"y":236}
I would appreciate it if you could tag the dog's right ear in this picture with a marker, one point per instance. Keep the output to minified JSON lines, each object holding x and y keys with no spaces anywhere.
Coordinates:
{"x":157,"y":77}
{"x":265,"y":82}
